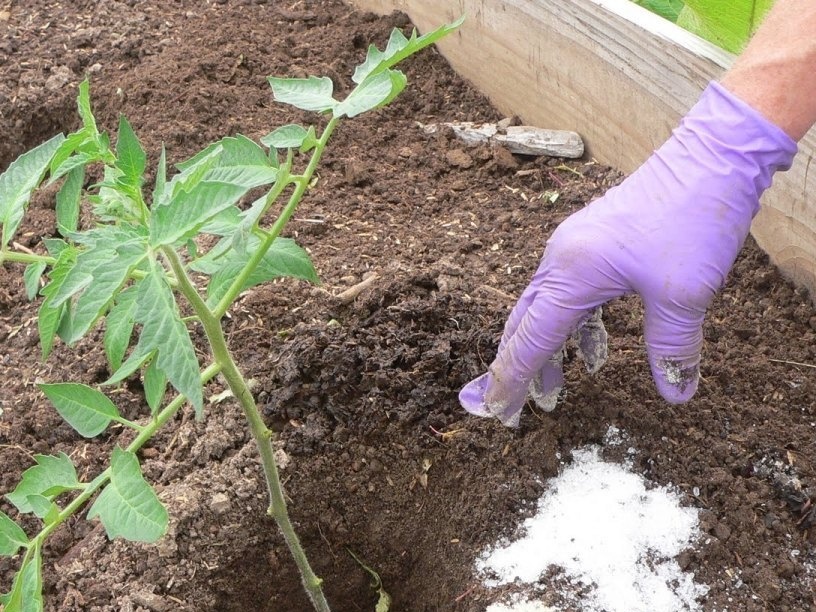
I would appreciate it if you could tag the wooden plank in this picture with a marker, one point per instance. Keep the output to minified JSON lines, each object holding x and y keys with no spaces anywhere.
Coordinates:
{"x":619,"y":76}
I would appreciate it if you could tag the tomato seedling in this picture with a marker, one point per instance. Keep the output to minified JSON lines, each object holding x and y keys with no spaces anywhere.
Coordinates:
{"x":130,"y":264}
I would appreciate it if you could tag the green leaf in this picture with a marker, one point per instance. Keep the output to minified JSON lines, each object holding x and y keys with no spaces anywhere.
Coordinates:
{"x":12,"y":536}
{"x":309,"y":143}
{"x":247,"y":177}
{"x":19,"y":180}
{"x":161,"y":177}
{"x":70,"y":164}
{"x":51,"y":476}
{"x":84,"y":144}
{"x":155,"y":384}
{"x":39,"y":505}
{"x":117,"y":201}
{"x":165,"y":332}
{"x":84,"y":107}
{"x":235,"y":150}
{"x":289,"y":137}
{"x":131,"y":158}
{"x":398,"y":83}
{"x":223,"y":223}
{"x":192,"y":173}
{"x":241,"y":162}
{"x":100,"y":271}
{"x":181,"y":217}
{"x":31,"y":278}
{"x":76,"y":278}
{"x":209,"y":153}
{"x":668,"y":9}
{"x":67,"y":148}
{"x":26,"y":590}
{"x":85,"y":409}
{"x":50,"y":316}
{"x":132,"y":364}
{"x":190,"y":244}
{"x":399,"y":48}
{"x":374,"y":92}
{"x":105,"y":284}
{"x":119,"y":327}
{"x":239,"y":150}
{"x":211,"y":262}
{"x":310,"y":94}
{"x":273,"y":157}
{"x":727,"y":23}
{"x":284,"y":258}
{"x":51,"y":515}
{"x":48,"y":322}
{"x":103,"y":146}
{"x":55,"y":246}
{"x":249,"y":218}
{"x":68,"y":198}
{"x":129,"y":507}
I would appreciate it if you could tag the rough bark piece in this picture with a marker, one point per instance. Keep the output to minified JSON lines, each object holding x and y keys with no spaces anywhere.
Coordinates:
{"x":526,"y":140}
{"x":520,"y":139}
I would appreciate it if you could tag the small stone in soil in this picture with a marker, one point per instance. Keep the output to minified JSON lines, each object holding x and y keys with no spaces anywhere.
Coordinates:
{"x":220,"y":503}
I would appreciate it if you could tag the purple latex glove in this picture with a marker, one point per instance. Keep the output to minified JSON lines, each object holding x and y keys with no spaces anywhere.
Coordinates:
{"x":670,"y":232}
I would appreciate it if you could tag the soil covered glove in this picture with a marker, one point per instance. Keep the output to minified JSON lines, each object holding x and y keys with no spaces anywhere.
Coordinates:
{"x":670,"y":232}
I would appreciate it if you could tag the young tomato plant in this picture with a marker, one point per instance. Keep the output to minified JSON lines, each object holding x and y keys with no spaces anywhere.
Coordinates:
{"x":127,"y":268}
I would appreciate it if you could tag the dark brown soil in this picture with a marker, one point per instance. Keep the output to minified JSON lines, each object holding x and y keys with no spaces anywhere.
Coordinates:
{"x":363,"y":395}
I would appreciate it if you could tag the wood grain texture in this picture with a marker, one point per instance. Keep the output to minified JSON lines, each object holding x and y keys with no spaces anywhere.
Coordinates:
{"x":619,"y":76}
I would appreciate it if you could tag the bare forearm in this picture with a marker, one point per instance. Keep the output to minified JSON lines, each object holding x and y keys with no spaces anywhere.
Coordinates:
{"x":776,"y":74}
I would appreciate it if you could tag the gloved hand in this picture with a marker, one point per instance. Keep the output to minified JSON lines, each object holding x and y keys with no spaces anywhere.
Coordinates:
{"x":670,"y":232}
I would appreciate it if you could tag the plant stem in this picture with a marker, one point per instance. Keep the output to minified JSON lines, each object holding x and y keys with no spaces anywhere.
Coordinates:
{"x":26,"y":258}
{"x":262,"y":435}
{"x":302,"y":183}
{"x":147,"y":432}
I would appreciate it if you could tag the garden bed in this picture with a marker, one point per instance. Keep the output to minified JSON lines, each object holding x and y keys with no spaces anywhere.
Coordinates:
{"x":380,"y":458}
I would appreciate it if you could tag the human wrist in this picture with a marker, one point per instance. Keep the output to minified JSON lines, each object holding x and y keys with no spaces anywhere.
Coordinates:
{"x":775,"y":73}
{"x":738,"y":124}
{"x":731,"y":143}
{"x":772,"y":96}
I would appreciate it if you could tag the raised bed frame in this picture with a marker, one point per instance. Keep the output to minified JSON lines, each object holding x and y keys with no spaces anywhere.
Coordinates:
{"x":620,"y":76}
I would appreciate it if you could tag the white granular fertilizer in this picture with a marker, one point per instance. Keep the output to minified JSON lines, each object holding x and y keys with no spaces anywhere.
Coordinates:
{"x":612,"y":538}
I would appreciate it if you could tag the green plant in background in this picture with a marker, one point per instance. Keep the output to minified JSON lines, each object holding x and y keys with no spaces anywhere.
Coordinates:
{"x":128,"y":266}
{"x":726,"y":23}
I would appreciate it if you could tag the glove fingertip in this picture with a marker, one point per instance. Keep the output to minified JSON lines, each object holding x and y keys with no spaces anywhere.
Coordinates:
{"x":545,"y":389}
{"x":676,"y":382}
{"x":546,"y":398}
{"x":471,"y":397}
